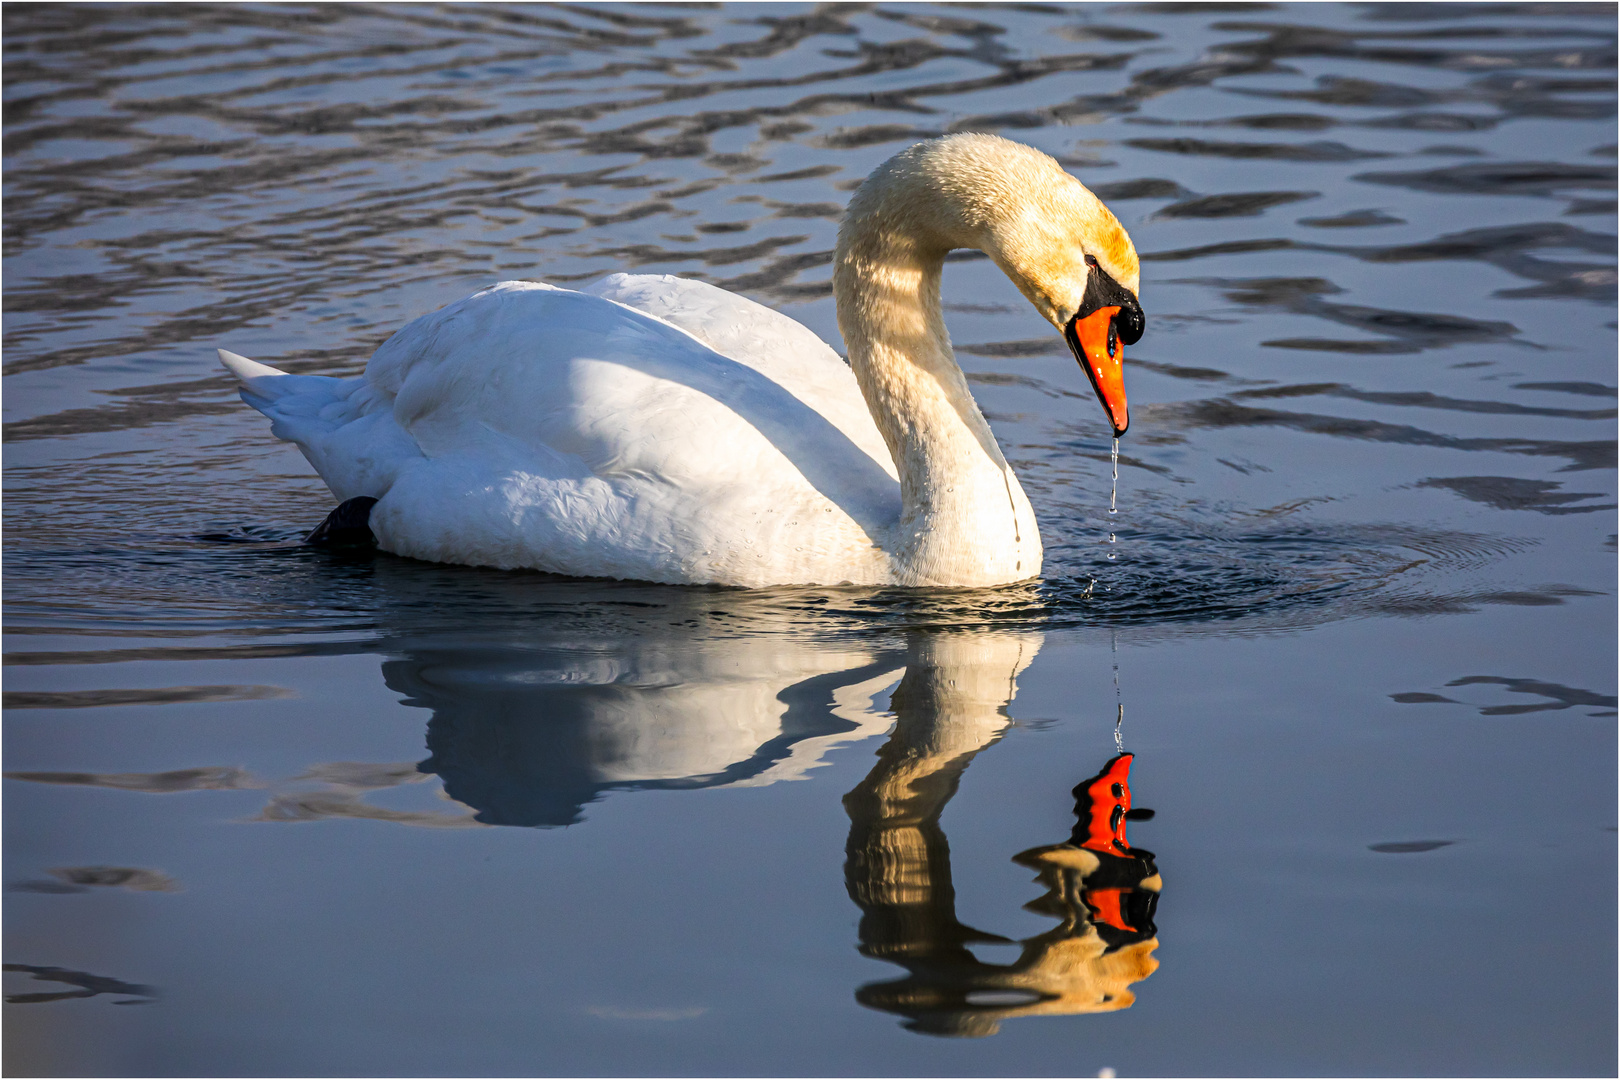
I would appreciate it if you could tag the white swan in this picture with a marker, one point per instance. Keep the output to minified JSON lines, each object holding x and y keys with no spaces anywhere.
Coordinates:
{"x":658,"y":429}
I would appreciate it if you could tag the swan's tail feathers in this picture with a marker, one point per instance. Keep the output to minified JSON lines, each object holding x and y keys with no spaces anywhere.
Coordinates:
{"x":345,"y":427}
{"x":280,"y":395}
{"x":245,"y":369}
{"x":301,"y":408}
{"x":262,"y":385}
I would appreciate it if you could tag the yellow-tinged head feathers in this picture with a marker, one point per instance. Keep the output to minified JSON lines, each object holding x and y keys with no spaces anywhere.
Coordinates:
{"x":1009,"y":200}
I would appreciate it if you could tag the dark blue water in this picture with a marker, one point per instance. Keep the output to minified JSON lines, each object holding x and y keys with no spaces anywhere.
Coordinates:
{"x":274,"y":810}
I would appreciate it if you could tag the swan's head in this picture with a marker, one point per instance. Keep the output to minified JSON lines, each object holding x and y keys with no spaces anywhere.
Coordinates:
{"x":1056,"y":240}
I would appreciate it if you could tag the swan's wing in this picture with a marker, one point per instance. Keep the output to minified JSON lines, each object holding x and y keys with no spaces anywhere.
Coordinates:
{"x":625,"y":393}
{"x":782,"y":349}
{"x":564,"y":430}
{"x":729,"y":324}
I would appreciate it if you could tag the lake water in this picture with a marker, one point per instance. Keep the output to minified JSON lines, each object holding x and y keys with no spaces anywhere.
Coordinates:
{"x":274,"y":810}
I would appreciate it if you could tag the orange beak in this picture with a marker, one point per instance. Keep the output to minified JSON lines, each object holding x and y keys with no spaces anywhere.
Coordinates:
{"x":1096,"y":344}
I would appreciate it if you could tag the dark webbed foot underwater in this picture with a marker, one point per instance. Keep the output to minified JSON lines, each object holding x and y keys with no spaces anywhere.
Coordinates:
{"x":348,"y":526}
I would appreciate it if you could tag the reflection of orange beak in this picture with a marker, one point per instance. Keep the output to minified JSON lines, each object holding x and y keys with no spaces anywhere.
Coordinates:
{"x":1107,"y":905}
{"x":1110,"y":795}
{"x":1095,"y":342}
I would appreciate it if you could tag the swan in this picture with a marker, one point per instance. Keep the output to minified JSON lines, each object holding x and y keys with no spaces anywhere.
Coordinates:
{"x":658,"y":429}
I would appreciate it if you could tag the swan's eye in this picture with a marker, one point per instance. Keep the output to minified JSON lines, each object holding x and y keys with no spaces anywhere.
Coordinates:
{"x":1091,"y":260}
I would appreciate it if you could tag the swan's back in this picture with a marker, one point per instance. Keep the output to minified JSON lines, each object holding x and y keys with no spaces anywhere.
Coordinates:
{"x":782,"y":349}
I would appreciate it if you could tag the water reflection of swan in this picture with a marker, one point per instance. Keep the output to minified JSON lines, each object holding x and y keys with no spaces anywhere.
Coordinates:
{"x":529,"y":735}
{"x":546,"y":693}
{"x":951,"y":704}
{"x":665,"y":430}
{"x":528,"y":726}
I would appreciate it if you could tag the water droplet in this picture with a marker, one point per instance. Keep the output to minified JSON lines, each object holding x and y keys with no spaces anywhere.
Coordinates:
{"x":1113,"y":493}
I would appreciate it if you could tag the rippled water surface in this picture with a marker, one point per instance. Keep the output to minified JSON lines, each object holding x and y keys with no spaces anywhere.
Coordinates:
{"x":278,"y":810}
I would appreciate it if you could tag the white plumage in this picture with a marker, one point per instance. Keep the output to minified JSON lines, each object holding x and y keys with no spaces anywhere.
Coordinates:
{"x":649,"y":428}
{"x":660,"y":429}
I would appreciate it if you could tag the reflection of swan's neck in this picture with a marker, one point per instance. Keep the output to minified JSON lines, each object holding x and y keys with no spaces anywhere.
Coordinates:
{"x":951,"y":703}
{"x":964,"y":518}
{"x":953,"y":699}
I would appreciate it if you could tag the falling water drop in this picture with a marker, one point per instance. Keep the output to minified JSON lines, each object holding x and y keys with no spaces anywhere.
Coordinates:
{"x":1113,"y":493}
{"x":1119,"y":700}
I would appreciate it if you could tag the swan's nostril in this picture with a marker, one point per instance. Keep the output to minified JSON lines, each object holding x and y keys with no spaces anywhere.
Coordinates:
{"x":1131,"y":323}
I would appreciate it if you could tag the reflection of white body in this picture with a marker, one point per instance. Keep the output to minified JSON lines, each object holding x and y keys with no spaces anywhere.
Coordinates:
{"x":709,"y":711}
{"x":526,"y":736}
{"x":529,"y":732}
{"x":528,"y":726}
{"x":723,"y":710}
{"x":672,"y":712}
{"x":664,"y":430}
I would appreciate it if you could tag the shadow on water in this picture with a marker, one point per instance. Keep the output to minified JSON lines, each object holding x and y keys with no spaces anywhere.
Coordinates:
{"x":88,"y":985}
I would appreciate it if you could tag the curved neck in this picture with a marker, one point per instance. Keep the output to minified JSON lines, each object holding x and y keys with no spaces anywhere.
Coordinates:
{"x":964,"y":519}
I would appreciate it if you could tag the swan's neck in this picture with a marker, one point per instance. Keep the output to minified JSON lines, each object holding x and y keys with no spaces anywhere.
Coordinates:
{"x":964,"y":519}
